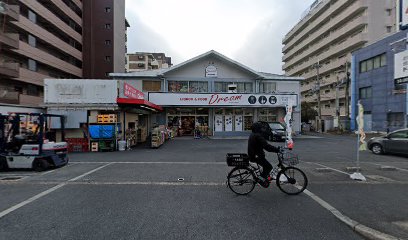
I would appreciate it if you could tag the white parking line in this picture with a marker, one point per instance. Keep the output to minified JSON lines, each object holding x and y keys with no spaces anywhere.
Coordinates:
{"x":42,"y":194}
{"x":400,"y":169}
{"x":185,"y":163}
{"x":321,"y":165}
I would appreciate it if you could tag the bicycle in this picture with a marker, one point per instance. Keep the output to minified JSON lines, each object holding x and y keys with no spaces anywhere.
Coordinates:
{"x":245,"y":175}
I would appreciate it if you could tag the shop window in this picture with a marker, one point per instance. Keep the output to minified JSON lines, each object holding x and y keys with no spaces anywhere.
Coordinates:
{"x":219,"y":111}
{"x":267,"y":87}
{"x":198,"y":87}
{"x":202,"y":111}
{"x":151,"y":86}
{"x":177,"y":86}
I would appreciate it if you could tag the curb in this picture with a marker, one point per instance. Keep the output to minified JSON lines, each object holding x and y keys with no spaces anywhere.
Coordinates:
{"x":361,"y":229}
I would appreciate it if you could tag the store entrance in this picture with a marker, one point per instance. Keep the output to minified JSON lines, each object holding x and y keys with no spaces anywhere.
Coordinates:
{"x":187,"y":125}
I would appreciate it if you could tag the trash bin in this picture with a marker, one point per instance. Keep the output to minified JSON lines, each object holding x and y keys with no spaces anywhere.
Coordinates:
{"x":122,"y":145}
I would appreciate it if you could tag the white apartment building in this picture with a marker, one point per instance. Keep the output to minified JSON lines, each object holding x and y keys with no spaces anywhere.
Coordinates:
{"x":141,"y":61}
{"x":328,"y":32}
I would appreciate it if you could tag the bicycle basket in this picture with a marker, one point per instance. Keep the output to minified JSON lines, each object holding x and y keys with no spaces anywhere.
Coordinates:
{"x":237,"y":159}
{"x":290,"y":159}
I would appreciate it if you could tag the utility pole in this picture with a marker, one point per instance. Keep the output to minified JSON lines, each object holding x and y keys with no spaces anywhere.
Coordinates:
{"x":319,"y":109}
{"x":346,"y":103}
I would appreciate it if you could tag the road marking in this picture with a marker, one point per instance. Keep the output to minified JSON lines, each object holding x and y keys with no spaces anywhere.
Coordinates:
{"x":400,"y":169}
{"x":321,"y":165}
{"x":46,"y":192}
{"x":185,"y":163}
{"x":151,"y":183}
{"x":356,"y":226}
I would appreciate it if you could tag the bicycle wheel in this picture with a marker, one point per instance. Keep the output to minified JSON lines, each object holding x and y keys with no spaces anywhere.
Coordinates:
{"x":291,"y":180}
{"x":241,"y":180}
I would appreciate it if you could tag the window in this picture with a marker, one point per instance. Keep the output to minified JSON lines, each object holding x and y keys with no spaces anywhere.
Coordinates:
{"x":327,"y":91}
{"x":107,"y":58}
{"x":32,"y":65}
{"x":267,"y":87}
{"x":363,"y":66}
{"x":244,"y":87}
{"x":383,"y":60}
{"x":106,"y":74}
{"x":151,"y":86}
{"x":177,"y":86}
{"x":32,"y":40}
{"x":32,"y":90}
{"x":369,"y":64}
{"x":389,"y":29}
{"x":399,"y":134}
{"x":388,"y":11}
{"x":107,"y":26}
{"x":107,"y":42}
{"x":395,"y":119}
{"x":365,"y":93}
{"x":198,"y":87}
{"x":377,"y":62}
{"x":18,"y":89}
{"x":222,"y":86}
{"x":107,"y":9}
{"x":32,"y":16}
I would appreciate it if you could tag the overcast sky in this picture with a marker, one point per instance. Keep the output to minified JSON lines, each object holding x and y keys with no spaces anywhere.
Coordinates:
{"x":248,"y":31}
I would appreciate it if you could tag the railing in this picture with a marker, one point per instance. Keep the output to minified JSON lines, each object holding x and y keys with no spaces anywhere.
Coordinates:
{"x":9,"y":69}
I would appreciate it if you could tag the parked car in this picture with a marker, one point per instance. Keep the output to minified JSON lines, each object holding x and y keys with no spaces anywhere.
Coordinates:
{"x":394,"y":142}
{"x":276,"y":131}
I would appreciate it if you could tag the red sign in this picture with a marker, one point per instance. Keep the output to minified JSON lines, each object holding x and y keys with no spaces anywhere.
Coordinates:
{"x":132,"y":92}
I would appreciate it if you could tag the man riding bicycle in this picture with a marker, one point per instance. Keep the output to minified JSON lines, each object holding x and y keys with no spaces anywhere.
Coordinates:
{"x":256,"y":145}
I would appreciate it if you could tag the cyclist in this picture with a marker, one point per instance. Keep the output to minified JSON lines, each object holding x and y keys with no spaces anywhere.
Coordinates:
{"x":256,"y":145}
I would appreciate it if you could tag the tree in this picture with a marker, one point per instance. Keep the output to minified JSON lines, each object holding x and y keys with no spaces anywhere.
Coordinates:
{"x":308,"y":112}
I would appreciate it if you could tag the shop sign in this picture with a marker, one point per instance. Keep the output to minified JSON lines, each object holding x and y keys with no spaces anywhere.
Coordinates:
{"x":401,"y":65}
{"x":222,"y":99}
{"x":132,"y":92}
{"x":211,"y":71}
{"x":79,"y":91}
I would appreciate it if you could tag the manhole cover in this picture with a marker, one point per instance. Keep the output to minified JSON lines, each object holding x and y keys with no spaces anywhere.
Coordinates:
{"x":11,"y":178}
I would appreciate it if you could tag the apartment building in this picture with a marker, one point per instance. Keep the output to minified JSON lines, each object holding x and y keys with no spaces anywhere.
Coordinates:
{"x":321,"y":43}
{"x":57,"y":39}
{"x":38,"y":39}
{"x":104,"y":38}
{"x":142,"y":61}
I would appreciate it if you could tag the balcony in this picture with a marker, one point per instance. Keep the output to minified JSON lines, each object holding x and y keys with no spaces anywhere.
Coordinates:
{"x":13,"y":11}
{"x":31,"y":100}
{"x":349,"y":28}
{"x":31,"y":77}
{"x":9,"y":39}
{"x":9,"y":97}
{"x":9,"y":69}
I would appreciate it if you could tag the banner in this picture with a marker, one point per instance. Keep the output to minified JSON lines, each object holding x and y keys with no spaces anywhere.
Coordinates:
{"x":288,"y":122}
{"x":360,"y":123}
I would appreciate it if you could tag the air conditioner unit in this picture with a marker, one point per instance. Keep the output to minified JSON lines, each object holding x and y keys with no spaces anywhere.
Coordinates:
{"x":232,"y":88}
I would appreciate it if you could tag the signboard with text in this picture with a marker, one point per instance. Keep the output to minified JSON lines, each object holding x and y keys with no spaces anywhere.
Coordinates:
{"x":223,"y":99}
{"x":132,"y":92}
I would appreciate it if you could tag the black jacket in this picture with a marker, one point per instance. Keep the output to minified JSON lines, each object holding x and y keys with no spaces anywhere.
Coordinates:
{"x":257,"y":143}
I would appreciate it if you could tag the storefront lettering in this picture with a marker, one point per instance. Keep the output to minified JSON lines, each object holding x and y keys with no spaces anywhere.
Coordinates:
{"x":215,"y":98}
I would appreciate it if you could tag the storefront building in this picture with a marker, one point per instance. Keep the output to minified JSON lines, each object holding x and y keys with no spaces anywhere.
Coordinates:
{"x":216,"y":95}
{"x":99,"y":113}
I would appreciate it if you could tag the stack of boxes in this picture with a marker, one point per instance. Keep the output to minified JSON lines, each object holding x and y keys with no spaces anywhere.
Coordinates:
{"x":107,"y":118}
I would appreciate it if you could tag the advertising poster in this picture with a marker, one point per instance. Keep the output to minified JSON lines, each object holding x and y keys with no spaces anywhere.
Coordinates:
{"x":238,"y":123}
{"x":218,"y":123}
{"x":228,"y":123}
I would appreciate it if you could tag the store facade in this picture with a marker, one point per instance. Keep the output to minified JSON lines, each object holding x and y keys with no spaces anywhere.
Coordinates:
{"x":216,"y":95}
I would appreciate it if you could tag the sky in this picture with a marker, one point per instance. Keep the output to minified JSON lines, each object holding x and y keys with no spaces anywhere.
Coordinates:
{"x":247,"y":31}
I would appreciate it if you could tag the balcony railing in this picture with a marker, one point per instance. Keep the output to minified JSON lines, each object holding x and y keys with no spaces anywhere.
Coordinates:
{"x":13,"y":11}
{"x":9,"y":69}
{"x":31,"y":100}
{"x":9,"y":39}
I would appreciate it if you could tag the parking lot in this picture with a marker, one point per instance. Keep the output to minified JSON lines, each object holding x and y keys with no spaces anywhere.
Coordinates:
{"x":178,"y":192}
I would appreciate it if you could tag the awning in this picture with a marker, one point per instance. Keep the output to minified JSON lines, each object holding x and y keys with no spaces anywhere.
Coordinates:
{"x":144,"y":104}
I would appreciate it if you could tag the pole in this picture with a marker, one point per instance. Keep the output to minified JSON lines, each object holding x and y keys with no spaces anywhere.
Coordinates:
{"x":319,"y":109}
{"x":337,"y":125}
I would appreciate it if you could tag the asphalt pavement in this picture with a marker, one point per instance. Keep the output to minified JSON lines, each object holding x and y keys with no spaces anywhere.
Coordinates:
{"x":178,"y":192}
